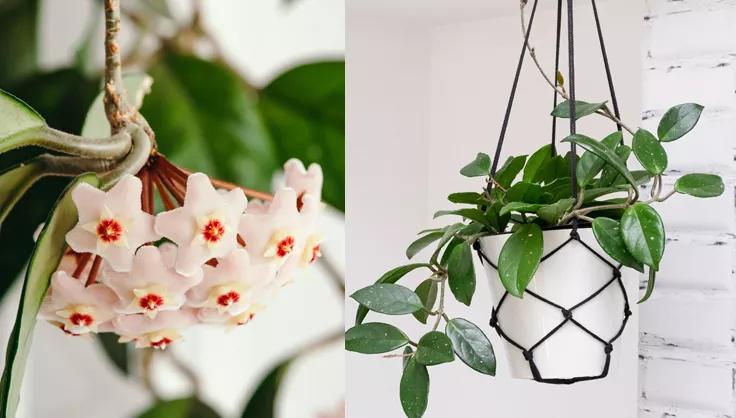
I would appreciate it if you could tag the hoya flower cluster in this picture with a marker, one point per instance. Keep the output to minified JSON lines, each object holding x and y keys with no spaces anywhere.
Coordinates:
{"x":213,"y":258}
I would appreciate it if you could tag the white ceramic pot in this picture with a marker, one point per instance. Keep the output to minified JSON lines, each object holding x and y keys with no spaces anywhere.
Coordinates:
{"x":566,"y":278}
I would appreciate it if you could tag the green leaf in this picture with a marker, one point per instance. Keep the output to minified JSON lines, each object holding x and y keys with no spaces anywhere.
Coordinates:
{"x":391,"y":276}
{"x":524,"y":192}
{"x":479,"y":167}
{"x":116,"y":352}
{"x":534,"y":171}
{"x":643,"y":234}
{"x":389,"y":299}
{"x":181,"y":408}
{"x":609,"y":174}
{"x":422,"y":243}
{"x":468,"y":213}
{"x":414,"y":389}
{"x":678,"y":121}
{"x":700,"y":185}
{"x":506,"y":174}
{"x":205,"y":120}
{"x":472,"y":346}
{"x":262,"y":403}
{"x":604,"y":153}
{"x":374,"y":338}
{"x":471,"y":198}
{"x":554,"y":212}
{"x":649,"y":151}
{"x":582,"y":109}
{"x":558,"y":189}
{"x":427,"y":292}
{"x":45,"y":258}
{"x":590,"y":164}
{"x":19,"y":39}
{"x":608,"y":234}
{"x":16,"y":116}
{"x":520,"y":257}
{"x":650,"y":286}
{"x":408,"y":354}
{"x":434,"y":348}
{"x":15,"y":182}
{"x":304,"y":111}
{"x":461,"y":273}
{"x":521,"y":207}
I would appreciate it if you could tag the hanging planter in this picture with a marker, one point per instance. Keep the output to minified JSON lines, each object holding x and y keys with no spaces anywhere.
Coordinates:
{"x":561,"y":236}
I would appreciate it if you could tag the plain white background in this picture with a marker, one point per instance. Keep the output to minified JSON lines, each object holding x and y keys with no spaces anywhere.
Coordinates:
{"x":427,"y":87}
{"x":70,"y":377}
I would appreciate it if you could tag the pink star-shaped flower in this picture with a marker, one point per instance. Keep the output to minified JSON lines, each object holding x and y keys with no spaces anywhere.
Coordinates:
{"x":304,"y":181}
{"x":77,"y":309}
{"x":308,"y":248}
{"x":111,"y":224}
{"x":151,"y":286}
{"x":158,"y":332}
{"x":205,"y":227}
{"x":233,"y":285}
{"x":271,"y":236}
{"x":214,"y":316}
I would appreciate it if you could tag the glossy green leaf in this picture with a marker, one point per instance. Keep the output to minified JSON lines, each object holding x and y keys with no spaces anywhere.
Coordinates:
{"x":468,"y":213}
{"x":643,"y":234}
{"x":604,"y":153}
{"x":434,"y":348}
{"x":389,"y":299}
{"x":524,"y":192}
{"x":521,"y":207}
{"x":116,"y":352}
{"x":262,"y":403}
{"x":427,"y":292}
{"x":558,"y":189}
{"x":589,"y":165}
{"x":461,"y":273}
{"x":608,"y":234}
{"x":304,"y":111}
{"x":700,"y":185}
{"x":206,"y":120}
{"x":14,"y":183}
{"x":374,"y":338}
{"x":479,"y":167}
{"x":609,"y":174}
{"x":554,"y":212}
{"x":414,"y":389}
{"x":16,"y":115}
{"x":650,"y":285}
{"x":472,"y":346}
{"x":534,"y":170}
{"x":471,"y":198}
{"x":45,"y":258}
{"x":582,"y":109}
{"x":181,"y":408}
{"x":678,"y":121}
{"x":649,"y":151}
{"x":408,"y":353}
{"x":422,"y":243}
{"x":391,"y":276}
{"x":520,"y":257}
{"x":506,"y":174}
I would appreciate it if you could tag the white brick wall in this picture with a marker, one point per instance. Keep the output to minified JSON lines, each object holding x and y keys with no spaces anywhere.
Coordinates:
{"x":688,"y":329}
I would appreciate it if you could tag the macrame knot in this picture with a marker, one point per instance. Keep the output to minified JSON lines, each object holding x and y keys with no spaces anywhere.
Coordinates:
{"x":616,"y":273}
{"x":476,"y":245}
{"x":567,"y":314}
{"x":608,"y":348}
{"x":627,"y":311}
{"x":528,"y":355}
{"x":494,"y":319}
{"x":574,"y":234}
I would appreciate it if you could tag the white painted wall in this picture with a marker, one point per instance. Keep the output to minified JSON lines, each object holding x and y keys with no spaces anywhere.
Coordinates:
{"x":70,"y":377}
{"x":449,"y":73}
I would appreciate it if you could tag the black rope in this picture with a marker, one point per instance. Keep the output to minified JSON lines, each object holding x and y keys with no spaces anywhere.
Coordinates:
{"x":571,"y":101}
{"x":515,"y":84}
{"x":568,"y":318}
{"x":557,"y":70}
{"x":609,"y":77}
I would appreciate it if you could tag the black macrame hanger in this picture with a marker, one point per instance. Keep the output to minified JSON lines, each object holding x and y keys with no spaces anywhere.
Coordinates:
{"x":567,"y":314}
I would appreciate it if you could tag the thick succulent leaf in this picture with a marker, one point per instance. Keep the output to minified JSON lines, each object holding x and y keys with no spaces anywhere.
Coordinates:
{"x":521,"y":207}
{"x":506,"y":174}
{"x":650,"y":285}
{"x":16,"y":115}
{"x":609,"y":174}
{"x":262,"y":403}
{"x":589,"y":165}
{"x":434,"y":348}
{"x":46,"y":256}
{"x":649,"y":151}
{"x":391,"y":276}
{"x":304,"y":111}
{"x":479,"y":167}
{"x":700,"y":185}
{"x":643,"y":234}
{"x":427,"y":292}
{"x":182,"y":408}
{"x":537,"y":165}
{"x":15,"y":182}
{"x":374,"y":338}
{"x":554,"y":212}
{"x":520,"y":257}
{"x":422,"y":243}
{"x":678,"y":121}
{"x":389,"y":299}
{"x":608,"y":234}
{"x":472,"y":346}
{"x":604,"y":153}
{"x":414,"y":389}
{"x":582,"y":109}
{"x":461,"y":273}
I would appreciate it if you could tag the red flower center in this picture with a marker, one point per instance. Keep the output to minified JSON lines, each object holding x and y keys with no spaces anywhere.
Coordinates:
{"x":151,"y":301}
{"x":162,"y":343}
{"x":81,"y":319}
{"x":244,"y":321}
{"x":109,"y":230}
{"x":213,"y":231}
{"x":227,"y":299}
{"x":285,"y":246}
{"x":316,"y":253}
